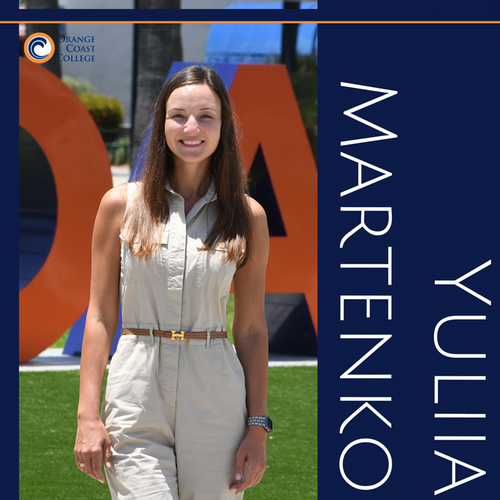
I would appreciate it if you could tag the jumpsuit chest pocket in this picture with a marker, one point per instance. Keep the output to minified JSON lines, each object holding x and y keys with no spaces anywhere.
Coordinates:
{"x":212,"y":269}
{"x":150,"y":270}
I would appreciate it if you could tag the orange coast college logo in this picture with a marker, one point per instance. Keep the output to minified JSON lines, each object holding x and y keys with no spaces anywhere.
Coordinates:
{"x":39,"y":48}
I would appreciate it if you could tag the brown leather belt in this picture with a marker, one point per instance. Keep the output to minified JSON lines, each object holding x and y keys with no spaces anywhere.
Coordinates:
{"x":175,"y":335}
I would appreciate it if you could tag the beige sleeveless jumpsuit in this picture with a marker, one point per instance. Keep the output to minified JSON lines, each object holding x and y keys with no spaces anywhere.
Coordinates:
{"x":175,"y":409}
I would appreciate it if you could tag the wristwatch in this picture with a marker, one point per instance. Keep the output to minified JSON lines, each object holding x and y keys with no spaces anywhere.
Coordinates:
{"x":266,"y":422}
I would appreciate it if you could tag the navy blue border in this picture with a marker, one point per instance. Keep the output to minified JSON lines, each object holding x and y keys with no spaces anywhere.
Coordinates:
{"x":9,"y":208}
{"x":444,"y":195}
{"x":155,"y":15}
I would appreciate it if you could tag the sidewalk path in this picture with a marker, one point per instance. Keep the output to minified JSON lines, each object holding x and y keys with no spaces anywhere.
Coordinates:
{"x":55,"y":360}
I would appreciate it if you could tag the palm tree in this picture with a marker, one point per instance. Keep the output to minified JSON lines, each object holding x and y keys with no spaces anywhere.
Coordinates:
{"x":289,"y":40}
{"x":49,"y":29}
{"x":156,"y":46}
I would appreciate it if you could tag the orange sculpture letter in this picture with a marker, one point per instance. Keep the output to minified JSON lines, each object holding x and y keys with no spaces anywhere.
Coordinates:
{"x":265,"y":104}
{"x":69,"y":138}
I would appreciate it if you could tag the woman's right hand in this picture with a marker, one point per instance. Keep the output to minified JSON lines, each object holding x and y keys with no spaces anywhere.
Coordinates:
{"x":92,"y":444}
{"x":92,"y":440}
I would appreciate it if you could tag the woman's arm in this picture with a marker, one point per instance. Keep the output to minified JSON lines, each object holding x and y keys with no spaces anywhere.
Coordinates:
{"x":92,"y":441}
{"x":251,"y":343}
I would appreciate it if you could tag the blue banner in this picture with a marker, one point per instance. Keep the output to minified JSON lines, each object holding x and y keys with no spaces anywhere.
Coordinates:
{"x":408,"y":224}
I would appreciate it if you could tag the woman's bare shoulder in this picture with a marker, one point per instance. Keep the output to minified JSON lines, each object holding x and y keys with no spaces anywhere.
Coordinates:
{"x":114,"y":202}
{"x":260,"y":229}
{"x":256,"y":210}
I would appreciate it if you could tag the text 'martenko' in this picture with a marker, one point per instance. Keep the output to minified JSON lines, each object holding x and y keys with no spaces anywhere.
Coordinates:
{"x":349,"y":304}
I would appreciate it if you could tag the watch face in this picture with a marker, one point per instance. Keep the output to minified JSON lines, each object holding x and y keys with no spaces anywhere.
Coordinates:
{"x":269,"y":425}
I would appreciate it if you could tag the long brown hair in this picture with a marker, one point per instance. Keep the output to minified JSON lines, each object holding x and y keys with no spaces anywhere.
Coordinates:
{"x":145,"y":219}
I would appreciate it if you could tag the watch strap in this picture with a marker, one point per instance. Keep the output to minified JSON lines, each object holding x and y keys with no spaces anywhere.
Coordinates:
{"x":265,"y":422}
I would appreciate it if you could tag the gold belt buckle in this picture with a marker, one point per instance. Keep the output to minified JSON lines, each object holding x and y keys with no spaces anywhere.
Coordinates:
{"x":179,"y":336}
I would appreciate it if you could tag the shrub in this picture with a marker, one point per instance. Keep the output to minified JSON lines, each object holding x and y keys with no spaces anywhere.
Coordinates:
{"x":107,"y":112}
{"x":79,"y":85}
{"x":121,"y":154}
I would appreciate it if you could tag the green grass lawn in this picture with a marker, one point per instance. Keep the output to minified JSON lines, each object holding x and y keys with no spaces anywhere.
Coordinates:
{"x":47,"y":422}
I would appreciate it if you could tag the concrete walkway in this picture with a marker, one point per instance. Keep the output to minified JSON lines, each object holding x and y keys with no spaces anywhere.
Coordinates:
{"x":55,"y":360}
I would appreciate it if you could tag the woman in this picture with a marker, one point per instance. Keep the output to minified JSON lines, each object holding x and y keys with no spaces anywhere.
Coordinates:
{"x":177,"y":413}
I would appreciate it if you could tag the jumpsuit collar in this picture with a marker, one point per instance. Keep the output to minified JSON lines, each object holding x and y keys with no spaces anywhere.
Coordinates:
{"x":208,"y":197}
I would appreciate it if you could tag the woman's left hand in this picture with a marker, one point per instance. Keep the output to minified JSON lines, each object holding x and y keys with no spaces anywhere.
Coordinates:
{"x":252,"y":451}
{"x":251,"y":342}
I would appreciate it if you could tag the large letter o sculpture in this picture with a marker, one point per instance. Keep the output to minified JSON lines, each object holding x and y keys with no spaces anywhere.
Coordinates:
{"x":61,"y":125}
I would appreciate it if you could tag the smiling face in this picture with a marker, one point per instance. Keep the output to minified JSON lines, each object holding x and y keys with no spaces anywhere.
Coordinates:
{"x":193,"y":124}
